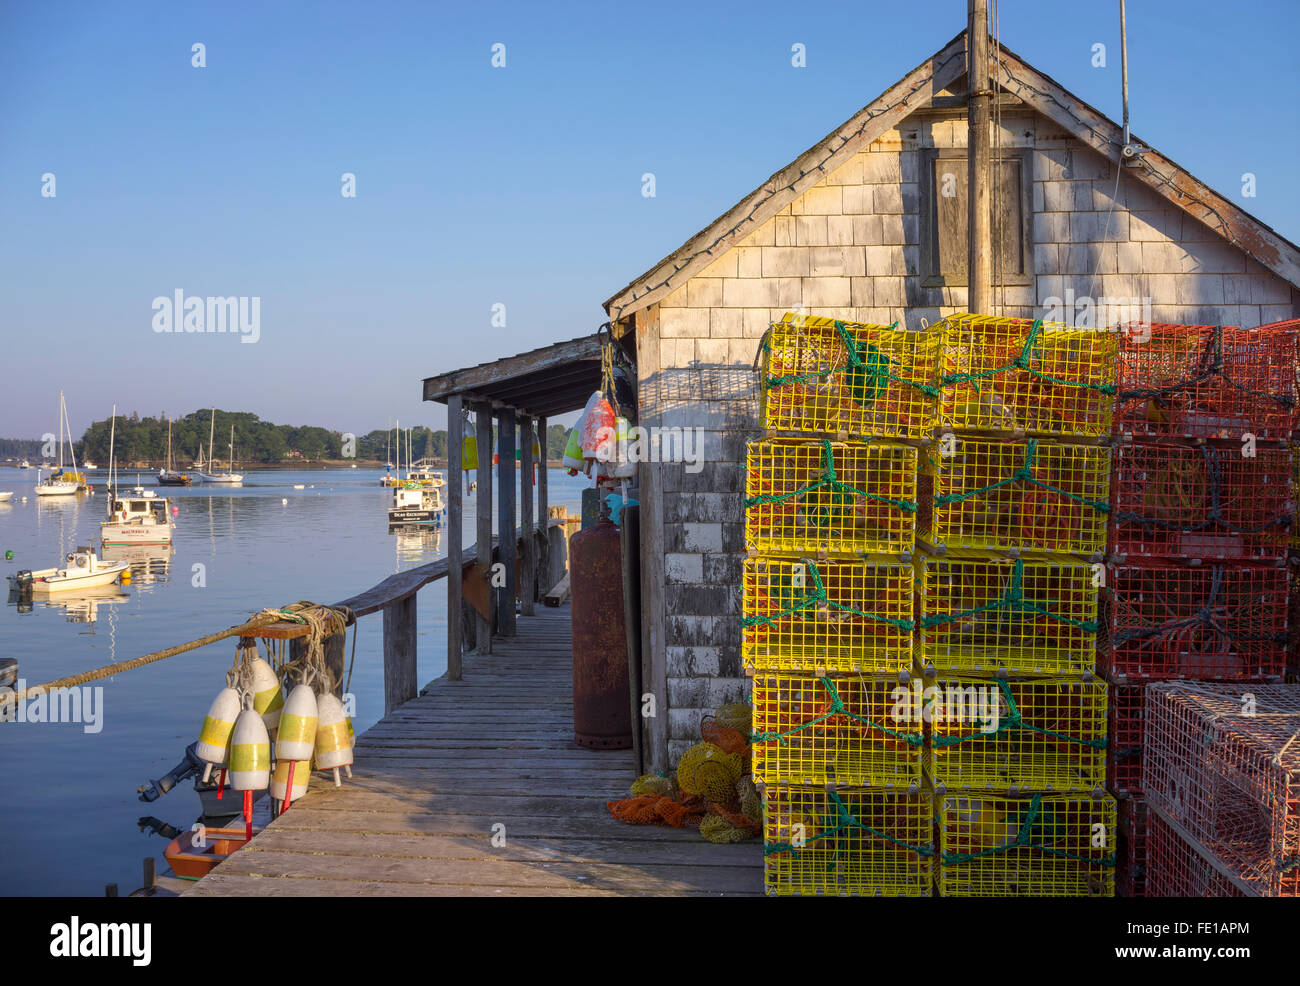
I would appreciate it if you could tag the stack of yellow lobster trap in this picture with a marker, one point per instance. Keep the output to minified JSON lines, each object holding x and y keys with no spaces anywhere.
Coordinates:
{"x":925,"y":519}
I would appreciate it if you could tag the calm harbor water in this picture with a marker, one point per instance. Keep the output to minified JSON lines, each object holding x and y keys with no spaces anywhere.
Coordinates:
{"x":68,"y":806}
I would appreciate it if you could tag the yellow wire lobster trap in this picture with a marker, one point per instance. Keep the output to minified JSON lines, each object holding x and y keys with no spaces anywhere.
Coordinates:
{"x":805,"y":615}
{"x":1032,"y":495}
{"x":1027,"y":735}
{"x":1025,"y":375}
{"x":851,"y":732}
{"x":1044,"y":845}
{"x":807,"y":497}
{"x":824,"y":376}
{"x":981,"y":615}
{"x":874,"y":842}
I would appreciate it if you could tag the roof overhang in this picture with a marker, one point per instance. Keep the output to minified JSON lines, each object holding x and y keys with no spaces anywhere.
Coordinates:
{"x":540,"y":383}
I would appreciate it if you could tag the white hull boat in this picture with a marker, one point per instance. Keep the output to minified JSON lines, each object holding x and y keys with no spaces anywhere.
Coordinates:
{"x":6,"y":496}
{"x":83,"y":570}
{"x":137,"y":520}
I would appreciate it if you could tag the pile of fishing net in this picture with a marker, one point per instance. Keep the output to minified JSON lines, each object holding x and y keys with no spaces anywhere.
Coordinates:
{"x":711,"y":789}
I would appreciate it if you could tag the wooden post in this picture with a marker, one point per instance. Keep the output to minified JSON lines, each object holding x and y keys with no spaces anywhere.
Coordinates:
{"x":483,"y":511}
{"x":528,"y":563}
{"x":399,"y":653}
{"x":506,"y":521}
{"x":335,"y":650}
{"x":455,"y":531}
{"x":543,"y":514}
{"x":978,"y":159}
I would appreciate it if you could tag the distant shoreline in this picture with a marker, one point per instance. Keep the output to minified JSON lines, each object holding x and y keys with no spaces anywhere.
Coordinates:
{"x":255,"y":466}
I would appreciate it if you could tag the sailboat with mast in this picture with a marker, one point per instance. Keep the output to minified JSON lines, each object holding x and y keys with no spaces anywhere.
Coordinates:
{"x":230,"y":477}
{"x":168,"y":476}
{"x":60,"y":484}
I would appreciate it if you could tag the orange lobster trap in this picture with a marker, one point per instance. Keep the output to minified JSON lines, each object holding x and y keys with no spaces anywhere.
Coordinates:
{"x":1205,"y":381}
{"x":1043,"y":845}
{"x":851,"y":732}
{"x":1031,"y":617}
{"x":1222,"y":767}
{"x":1205,"y":502}
{"x":1031,"y":495}
{"x":1035,"y":735}
{"x":1025,"y":375}
{"x":836,"y":616}
{"x":1225,"y":622}
{"x":876,"y":842}
{"x":823,"y":376}
{"x":1124,"y":741}
{"x":836,"y":498}
{"x":1174,"y":868}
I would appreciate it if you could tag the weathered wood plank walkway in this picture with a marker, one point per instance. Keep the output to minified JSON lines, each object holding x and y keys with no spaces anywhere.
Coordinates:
{"x":433,"y":778}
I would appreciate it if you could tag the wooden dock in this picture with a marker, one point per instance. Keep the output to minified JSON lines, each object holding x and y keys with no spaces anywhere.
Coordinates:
{"x":489,"y":755}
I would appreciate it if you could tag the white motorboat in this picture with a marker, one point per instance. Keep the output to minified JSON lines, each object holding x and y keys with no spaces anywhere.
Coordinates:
{"x":24,"y":464}
{"x":144,"y":519}
{"x":6,"y":495}
{"x":88,"y":466}
{"x":82,"y":570}
{"x":415,"y":504}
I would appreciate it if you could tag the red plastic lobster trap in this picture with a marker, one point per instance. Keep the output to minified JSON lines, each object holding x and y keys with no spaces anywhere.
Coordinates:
{"x":1222,"y":767}
{"x":1209,"y":622}
{"x":1124,"y":740}
{"x":1205,"y":502}
{"x":1131,"y":870}
{"x":1206,"y":381}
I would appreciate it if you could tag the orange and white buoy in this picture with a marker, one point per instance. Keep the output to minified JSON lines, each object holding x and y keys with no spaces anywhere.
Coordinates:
{"x":296,"y":739}
{"x":218,"y":725}
{"x":333,"y":736}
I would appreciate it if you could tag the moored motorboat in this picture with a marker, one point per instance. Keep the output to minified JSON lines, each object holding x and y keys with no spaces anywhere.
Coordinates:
{"x":83,"y":570}
{"x":144,"y":519}
{"x":6,"y":495}
{"x":415,"y":504}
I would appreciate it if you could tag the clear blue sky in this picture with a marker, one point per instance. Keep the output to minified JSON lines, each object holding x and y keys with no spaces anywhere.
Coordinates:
{"x":475,"y":185}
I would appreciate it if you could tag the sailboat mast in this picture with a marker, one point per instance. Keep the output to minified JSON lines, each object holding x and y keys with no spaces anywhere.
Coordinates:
{"x":212,"y":424}
{"x":112,"y":435}
{"x":232,"y":446}
{"x":60,"y":431}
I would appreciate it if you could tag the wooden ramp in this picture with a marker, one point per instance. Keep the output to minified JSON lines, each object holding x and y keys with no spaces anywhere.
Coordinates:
{"x":491,"y":754}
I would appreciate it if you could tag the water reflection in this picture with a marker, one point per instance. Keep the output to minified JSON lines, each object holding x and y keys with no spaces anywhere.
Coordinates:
{"x":415,"y":543}
{"x":150,"y":563}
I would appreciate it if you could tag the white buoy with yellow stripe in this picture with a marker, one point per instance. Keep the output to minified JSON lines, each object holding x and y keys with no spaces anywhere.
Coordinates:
{"x":268,"y":699}
{"x":214,"y":738}
{"x":250,"y":753}
{"x":333,"y":736}
{"x":296,"y":739}
{"x":289,"y":781}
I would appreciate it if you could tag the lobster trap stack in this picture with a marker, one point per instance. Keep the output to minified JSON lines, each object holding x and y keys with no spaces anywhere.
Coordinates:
{"x":1200,"y":520}
{"x":1014,"y":497}
{"x":1222,"y":775}
{"x":827,"y":599}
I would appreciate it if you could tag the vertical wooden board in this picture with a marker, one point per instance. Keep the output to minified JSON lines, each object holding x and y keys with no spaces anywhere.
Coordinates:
{"x":506,"y":521}
{"x":528,"y":564}
{"x":543,"y":511}
{"x":483,"y":511}
{"x":400,"y":683}
{"x":455,"y":532}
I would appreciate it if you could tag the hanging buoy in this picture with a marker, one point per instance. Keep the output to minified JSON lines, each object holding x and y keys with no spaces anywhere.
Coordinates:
{"x":250,"y":753}
{"x":469,"y":453}
{"x":333,"y":736}
{"x":268,"y":700}
{"x":214,"y":738}
{"x":596,"y":419}
{"x":289,"y":782}
{"x":572,"y":460}
{"x":297,"y":735}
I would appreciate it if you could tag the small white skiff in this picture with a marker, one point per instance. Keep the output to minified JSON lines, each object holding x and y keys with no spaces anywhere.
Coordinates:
{"x":83,"y":570}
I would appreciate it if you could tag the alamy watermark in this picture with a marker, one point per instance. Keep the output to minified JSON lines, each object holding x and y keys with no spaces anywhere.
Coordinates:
{"x":195,"y":314}
{"x":84,"y":705}
{"x":652,"y":444}
{"x":1085,"y":312}
{"x":979,"y":705}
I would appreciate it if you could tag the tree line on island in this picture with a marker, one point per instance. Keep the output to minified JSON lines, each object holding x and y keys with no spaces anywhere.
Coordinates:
{"x":144,"y":440}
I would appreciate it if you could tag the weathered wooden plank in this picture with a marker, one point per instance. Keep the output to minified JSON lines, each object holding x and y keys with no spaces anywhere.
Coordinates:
{"x":528,"y":561}
{"x":582,"y":825}
{"x":484,"y":626}
{"x":400,"y":683}
{"x":559,"y":592}
{"x":455,"y":533}
{"x":506,"y":520}
{"x":219,"y":885}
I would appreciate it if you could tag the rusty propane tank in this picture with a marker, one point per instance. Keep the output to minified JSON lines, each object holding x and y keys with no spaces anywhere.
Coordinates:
{"x":601,"y":716}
